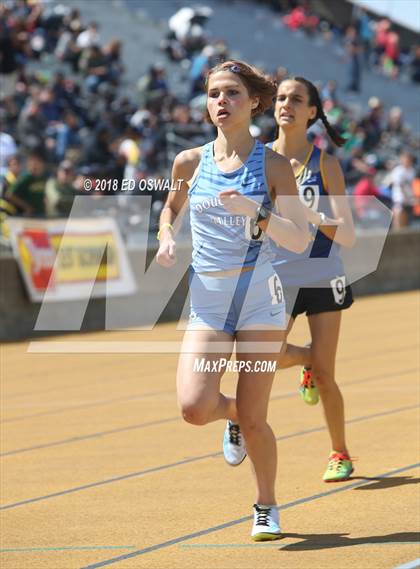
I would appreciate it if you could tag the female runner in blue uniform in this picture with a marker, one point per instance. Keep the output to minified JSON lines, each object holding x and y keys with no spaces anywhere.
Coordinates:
{"x":235,"y":293}
{"x":314,"y":282}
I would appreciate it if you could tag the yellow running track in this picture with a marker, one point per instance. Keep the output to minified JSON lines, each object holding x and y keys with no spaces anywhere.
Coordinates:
{"x":98,"y":470}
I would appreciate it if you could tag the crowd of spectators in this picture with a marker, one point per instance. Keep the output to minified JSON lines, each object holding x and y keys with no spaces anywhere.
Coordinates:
{"x":378,"y":146}
{"x":60,"y":127}
{"x":370,"y":42}
{"x":63,"y":113}
{"x":378,"y":142}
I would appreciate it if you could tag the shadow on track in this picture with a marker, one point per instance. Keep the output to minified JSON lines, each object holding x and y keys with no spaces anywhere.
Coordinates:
{"x":335,"y":540}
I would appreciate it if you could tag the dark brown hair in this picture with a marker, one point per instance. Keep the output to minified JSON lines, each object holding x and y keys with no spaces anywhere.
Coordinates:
{"x":315,"y":101}
{"x":257,"y":83}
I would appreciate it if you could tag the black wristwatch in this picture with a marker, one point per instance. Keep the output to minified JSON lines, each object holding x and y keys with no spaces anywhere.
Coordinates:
{"x":262,"y":213}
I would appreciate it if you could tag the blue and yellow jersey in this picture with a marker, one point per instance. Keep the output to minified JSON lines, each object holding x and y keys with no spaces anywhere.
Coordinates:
{"x":294,"y":268}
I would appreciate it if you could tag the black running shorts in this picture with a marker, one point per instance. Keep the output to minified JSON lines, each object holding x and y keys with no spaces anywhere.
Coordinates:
{"x":325,"y":297}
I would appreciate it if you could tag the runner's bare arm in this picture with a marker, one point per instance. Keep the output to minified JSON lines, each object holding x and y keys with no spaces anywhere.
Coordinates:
{"x":290,"y":228}
{"x":340,"y":227}
{"x":183,"y":170}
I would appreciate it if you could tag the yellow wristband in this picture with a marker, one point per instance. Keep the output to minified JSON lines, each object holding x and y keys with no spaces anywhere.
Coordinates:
{"x":163,"y":227}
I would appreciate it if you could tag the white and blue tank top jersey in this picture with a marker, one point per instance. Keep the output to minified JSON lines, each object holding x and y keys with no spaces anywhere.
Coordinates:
{"x":299,"y":269}
{"x":221,"y":240}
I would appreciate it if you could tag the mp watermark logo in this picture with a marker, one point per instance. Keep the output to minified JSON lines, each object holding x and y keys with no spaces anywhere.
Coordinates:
{"x":161,"y":290}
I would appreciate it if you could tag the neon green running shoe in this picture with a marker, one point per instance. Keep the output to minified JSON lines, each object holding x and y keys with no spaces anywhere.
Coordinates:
{"x":308,"y":390}
{"x":340,"y":467}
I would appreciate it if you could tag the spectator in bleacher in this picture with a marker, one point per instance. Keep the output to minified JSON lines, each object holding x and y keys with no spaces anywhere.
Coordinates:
{"x":353,"y":51}
{"x":391,"y":58}
{"x":66,"y":135}
{"x":373,"y":123}
{"x":97,"y":148}
{"x":355,"y":136}
{"x":129,"y":148}
{"x":100,"y":153}
{"x":187,"y":29}
{"x":31,"y":124}
{"x":8,"y":60}
{"x":8,"y":148}
{"x":73,"y":21}
{"x":280,"y":74}
{"x":112,"y":56}
{"x":329,"y":91}
{"x":365,"y":27}
{"x":396,"y":133}
{"x":402,"y":178}
{"x":119,"y":109}
{"x":93,"y":65}
{"x":180,"y":22}
{"x":302,"y":17}
{"x":382,"y":29}
{"x":354,"y":165}
{"x":60,"y":191}
{"x":49,"y":106}
{"x":67,"y":49}
{"x":152,"y":146}
{"x":89,"y":37}
{"x":395,"y":123}
{"x":181,"y":114}
{"x":334,"y":111}
{"x":11,"y":174}
{"x":415,"y":64}
{"x":153,"y":86}
{"x":59,"y":86}
{"x":27,"y":194}
{"x":365,"y":188}
{"x":65,"y":26}
{"x":200,"y":64}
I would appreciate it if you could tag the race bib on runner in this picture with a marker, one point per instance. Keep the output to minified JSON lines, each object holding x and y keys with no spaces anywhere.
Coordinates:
{"x":309,"y":195}
{"x":253,"y":231}
{"x":276,"y":290}
{"x":338,"y":286}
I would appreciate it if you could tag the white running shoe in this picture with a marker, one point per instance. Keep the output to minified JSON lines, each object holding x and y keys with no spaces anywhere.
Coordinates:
{"x":234,"y":449}
{"x":266,"y":523}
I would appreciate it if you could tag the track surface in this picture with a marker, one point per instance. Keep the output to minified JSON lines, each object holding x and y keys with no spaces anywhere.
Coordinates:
{"x":98,"y":469}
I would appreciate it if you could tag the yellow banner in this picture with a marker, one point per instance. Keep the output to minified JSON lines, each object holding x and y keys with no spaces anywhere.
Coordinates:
{"x":67,"y":257}
{"x":81,"y":255}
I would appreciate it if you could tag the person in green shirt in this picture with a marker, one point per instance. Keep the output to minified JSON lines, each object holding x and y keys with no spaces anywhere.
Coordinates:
{"x":28,"y":192}
{"x":60,"y":191}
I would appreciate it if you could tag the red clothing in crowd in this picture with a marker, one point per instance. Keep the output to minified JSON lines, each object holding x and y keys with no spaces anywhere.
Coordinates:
{"x":364,"y":187}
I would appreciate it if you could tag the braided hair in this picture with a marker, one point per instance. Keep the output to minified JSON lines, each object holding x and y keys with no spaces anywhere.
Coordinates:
{"x":315,"y":101}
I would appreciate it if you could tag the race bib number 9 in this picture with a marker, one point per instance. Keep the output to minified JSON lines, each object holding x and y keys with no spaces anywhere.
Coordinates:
{"x":338,"y":286}
{"x":309,"y":195}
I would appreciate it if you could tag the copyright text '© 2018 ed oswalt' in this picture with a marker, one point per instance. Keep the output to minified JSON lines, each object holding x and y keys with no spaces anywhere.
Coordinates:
{"x":131,"y":185}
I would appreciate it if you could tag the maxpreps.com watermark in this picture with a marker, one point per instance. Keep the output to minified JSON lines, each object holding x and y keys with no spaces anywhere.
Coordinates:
{"x":203,"y":365}
{"x":130,"y":185}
